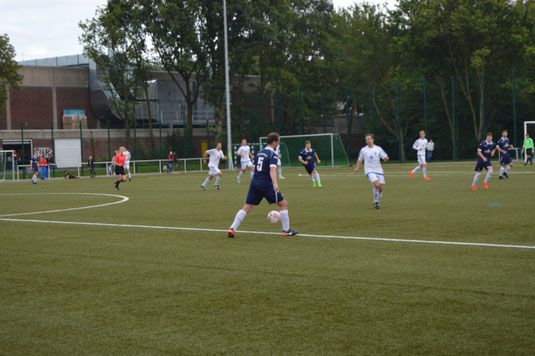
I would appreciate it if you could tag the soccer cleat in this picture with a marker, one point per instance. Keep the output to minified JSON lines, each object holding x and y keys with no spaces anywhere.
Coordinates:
{"x":319,"y":185}
{"x":216,"y":187}
{"x":474,"y":187}
{"x":501,"y":177}
{"x":231,"y":233}
{"x":376,"y":205}
{"x":314,"y":184}
{"x":427,"y":178}
{"x":281,"y":177}
{"x":290,"y":233}
{"x":505,"y":174}
{"x":238,"y":178}
{"x":116,"y":188}
{"x":412,"y":174}
{"x":485,"y":185}
{"x":203,"y":187}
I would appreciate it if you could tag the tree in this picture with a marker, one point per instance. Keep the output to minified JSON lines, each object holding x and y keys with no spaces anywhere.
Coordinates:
{"x":9,"y":75}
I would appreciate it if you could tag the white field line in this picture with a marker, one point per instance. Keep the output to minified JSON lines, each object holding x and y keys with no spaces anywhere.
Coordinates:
{"x":458,"y":243}
{"x":123,"y":199}
{"x":431,"y":174}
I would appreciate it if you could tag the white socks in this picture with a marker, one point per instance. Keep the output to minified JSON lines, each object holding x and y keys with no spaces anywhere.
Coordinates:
{"x":502,"y":170}
{"x":252,"y":173}
{"x":489,"y":173}
{"x":238,"y":219}
{"x":379,"y":195}
{"x":240,"y":174}
{"x":375,"y":191}
{"x":285,"y":220}
{"x":279,"y":168}
{"x":425,"y":171}
{"x":317,"y":177}
{"x":206,"y":181}
{"x":476,"y":178}
{"x":415,"y":169}
{"x":312,"y":178}
{"x":507,"y":169}
{"x":217,"y":180}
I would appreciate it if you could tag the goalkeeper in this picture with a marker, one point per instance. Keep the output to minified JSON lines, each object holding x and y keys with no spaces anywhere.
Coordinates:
{"x":528,"y":149}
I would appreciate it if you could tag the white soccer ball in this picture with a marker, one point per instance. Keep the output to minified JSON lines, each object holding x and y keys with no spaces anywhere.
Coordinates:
{"x":274,"y":216}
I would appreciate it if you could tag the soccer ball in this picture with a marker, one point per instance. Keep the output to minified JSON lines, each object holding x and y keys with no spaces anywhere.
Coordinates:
{"x":274,"y":217}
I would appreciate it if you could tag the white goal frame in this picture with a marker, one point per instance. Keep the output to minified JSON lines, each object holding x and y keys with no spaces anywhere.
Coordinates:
{"x":524,"y":137}
{"x":5,"y":163}
{"x":330,"y":135}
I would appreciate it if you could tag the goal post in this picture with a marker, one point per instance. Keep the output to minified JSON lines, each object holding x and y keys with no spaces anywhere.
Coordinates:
{"x":329,"y":148}
{"x":8,"y":165}
{"x":529,"y":128}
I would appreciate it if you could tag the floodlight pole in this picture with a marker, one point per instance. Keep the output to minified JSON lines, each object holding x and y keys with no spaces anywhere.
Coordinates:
{"x":227,"y":86}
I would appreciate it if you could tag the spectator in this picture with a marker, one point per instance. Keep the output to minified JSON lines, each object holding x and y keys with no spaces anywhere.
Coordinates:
{"x":51,"y":164}
{"x":165,"y":168}
{"x":15,"y":161}
{"x":43,"y":167}
{"x":91,"y":166}
{"x":430,"y":148}
{"x":170,"y":158}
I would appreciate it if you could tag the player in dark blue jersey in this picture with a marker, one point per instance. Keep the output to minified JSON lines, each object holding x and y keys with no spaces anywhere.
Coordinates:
{"x":485,"y":151}
{"x":34,"y":162}
{"x":264,"y":185}
{"x":503,"y":146}
{"x":306,"y":157}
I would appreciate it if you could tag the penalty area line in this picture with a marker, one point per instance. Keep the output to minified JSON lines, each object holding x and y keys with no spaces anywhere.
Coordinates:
{"x":457,"y":243}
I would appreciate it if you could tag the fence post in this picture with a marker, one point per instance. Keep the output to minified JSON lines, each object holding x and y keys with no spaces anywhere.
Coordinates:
{"x":53,"y":148}
{"x":251,"y":126}
{"x":186,"y":139}
{"x":278,"y":114}
{"x":483,"y":129}
{"x":207,"y":133}
{"x":300,"y":113}
{"x":399,"y":121}
{"x":454,"y":118}
{"x":160,"y":157}
{"x":514,"y":107}
{"x":109,"y":143}
{"x":257,"y":116}
{"x":371,"y":108}
{"x":348,"y":129}
{"x":135,"y":143}
{"x":81,"y":148}
{"x":425,"y":106}
{"x":324,"y":125}
{"x":22,"y":141}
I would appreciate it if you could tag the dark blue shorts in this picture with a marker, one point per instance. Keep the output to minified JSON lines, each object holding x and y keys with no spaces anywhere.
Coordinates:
{"x":505,"y":159}
{"x":310,"y":167}
{"x":259,"y":191}
{"x":35,"y":169}
{"x":480,"y":164}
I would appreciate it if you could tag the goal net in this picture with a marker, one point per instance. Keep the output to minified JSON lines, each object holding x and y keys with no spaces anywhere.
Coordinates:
{"x":7,"y":165}
{"x":328,"y":146}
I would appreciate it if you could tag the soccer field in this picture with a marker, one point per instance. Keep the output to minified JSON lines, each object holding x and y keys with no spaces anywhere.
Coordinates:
{"x":156,"y":274}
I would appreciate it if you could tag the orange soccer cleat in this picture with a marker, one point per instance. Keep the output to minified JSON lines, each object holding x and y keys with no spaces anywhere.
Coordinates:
{"x":474,"y":187}
{"x":231,"y":233}
{"x":412,"y":174}
{"x":427,"y":178}
{"x":485,"y":185}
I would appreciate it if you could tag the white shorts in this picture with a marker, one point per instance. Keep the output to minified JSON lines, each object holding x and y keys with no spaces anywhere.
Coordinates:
{"x":213,"y":170}
{"x":421,"y":159}
{"x":376,"y":176}
{"x":246,"y":164}
{"x":127,"y":165}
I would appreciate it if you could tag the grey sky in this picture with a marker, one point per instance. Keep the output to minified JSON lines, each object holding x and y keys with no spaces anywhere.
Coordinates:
{"x":49,"y":28}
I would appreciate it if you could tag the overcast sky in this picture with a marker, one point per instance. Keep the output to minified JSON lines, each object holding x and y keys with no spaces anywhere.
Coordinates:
{"x":49,"y":28}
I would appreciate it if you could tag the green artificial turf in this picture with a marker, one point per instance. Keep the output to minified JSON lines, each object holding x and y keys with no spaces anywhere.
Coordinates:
{"x":94,"y":289}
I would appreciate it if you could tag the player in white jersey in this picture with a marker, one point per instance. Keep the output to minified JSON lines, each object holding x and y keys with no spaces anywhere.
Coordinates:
{"x":372,"y":155}
{"x":246,"y":159}
{"x":420,"y":146}
{"x":279,"y":163}
{"x":215,"y":155}
{"x":128,"y":156}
